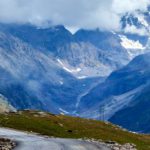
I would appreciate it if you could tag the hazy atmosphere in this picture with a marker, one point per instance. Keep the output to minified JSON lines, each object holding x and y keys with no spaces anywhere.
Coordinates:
{"x":75,"y":74}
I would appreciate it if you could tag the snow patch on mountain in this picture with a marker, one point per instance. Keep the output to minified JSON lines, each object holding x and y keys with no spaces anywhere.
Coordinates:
{"x":82,"y":77}
{"x":133,"y":48}
{"x":131,"y":44}
{"x":66,"y":67}
{"x":84,"y":59}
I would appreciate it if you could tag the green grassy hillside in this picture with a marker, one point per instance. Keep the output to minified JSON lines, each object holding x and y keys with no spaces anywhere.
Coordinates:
{"x":70,"y":127}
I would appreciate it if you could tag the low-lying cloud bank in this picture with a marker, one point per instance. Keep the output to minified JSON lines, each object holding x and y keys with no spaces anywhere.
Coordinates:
{"x":74,"y":14}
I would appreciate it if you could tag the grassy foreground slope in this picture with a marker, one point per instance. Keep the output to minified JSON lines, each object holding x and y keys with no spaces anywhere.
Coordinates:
{"x":70,"y":127}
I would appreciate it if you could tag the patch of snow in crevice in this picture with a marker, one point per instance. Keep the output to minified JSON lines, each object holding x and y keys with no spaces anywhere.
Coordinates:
{"x":61,"y":82}
{"x":82,"y":77}
{"x":70,"y":70}
{"x":83,"y":71}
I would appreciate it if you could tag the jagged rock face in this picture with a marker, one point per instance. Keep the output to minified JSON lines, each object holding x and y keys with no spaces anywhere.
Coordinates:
{"x":89,"y":53}
{"x":42,"y":39}
{"x":32,"y":78}
{"x":86,"y":60}
{"x":114,"y":50}
{"x":53,"y":70}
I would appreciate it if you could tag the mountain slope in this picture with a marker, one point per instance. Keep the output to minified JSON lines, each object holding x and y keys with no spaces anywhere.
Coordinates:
{"x":124,"y":97}
{"x":136,"y":115}
{"x":53,"y":70}
{"x":32,"y":78}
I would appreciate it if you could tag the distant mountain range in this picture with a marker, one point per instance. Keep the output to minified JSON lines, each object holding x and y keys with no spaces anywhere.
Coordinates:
{"x":83,"y":74}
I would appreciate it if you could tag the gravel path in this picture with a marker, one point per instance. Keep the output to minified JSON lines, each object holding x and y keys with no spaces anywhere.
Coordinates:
{"x":34,"y":142}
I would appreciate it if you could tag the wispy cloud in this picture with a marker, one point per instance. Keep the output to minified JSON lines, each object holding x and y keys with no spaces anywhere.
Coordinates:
{"x":74,"y":14}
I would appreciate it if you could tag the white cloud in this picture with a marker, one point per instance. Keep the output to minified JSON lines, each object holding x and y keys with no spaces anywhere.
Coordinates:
{"x":74,"y":14}
{"x":123,"y":6}
{"x":134,"y":30}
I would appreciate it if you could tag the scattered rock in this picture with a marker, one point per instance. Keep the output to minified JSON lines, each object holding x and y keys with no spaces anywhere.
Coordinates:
{"x":60,"y":124}
{"x":6,"y":144}
{"x":42,"y":114}
{"x":112,"y":144}
{"x":115,"y":146}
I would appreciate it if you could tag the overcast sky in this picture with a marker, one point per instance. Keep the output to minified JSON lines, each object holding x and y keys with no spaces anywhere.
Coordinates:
{"x":74,"y":14}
